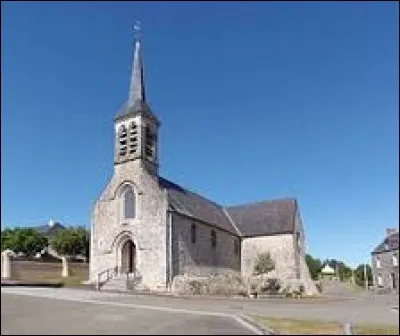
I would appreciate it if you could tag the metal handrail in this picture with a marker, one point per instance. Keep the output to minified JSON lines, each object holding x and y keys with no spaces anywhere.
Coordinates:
{"x":110,"y":272}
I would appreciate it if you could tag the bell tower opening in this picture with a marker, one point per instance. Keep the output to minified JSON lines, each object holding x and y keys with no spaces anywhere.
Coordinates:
{"x":136,"y":126}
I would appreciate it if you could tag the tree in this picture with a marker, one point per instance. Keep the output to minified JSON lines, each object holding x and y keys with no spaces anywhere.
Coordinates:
{"x":25,"y":240}
{"x":314,"y":265}
{"x":359,"y":275}
{"x":85,"y":234}
{"x":264,"y":264}
{"x":71,"y":242}
{"x":344,"y":272}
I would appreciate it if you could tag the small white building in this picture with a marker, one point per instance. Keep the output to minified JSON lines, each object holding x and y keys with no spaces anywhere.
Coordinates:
{"x":327,"y":273}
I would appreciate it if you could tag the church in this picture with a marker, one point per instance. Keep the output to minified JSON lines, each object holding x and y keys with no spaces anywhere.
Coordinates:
{"x":155,"y":230}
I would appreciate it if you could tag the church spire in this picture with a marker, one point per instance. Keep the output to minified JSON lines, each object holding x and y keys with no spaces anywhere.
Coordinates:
{"x":136,"y":91}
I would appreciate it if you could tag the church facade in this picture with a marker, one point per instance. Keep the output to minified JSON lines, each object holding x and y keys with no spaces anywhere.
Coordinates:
{"x":156,"y":230}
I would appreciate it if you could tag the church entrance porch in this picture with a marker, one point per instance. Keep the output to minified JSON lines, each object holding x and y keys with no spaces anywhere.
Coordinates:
{"x":127,"y":257}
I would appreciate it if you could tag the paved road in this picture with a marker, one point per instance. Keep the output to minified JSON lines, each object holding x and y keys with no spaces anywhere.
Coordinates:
{"x":36,"y":315}
{"x":143,"y":314}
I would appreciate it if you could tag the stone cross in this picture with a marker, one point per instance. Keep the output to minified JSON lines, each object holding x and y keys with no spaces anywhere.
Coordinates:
{"x":65,"y":270}
{"x":6,"y":264}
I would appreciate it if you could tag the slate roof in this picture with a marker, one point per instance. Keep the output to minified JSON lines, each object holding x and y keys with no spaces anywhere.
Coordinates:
{"x":48,"y":230}
{"x":191,"y":204}
{"x":263,"y":218}
{"x":390,"y":243}
{"x":140,"y":107}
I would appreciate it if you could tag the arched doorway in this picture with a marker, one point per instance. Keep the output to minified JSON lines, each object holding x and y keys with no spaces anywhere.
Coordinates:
{"x":128,"y":257}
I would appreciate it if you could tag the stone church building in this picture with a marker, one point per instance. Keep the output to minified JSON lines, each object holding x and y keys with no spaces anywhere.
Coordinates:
{"x":155,"y":230}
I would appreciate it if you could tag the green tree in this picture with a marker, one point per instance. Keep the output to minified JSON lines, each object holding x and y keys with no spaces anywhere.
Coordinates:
{"x":344,"y":272}
{"x":85,"y":234}
{"x":264,"y":264}
{"x":71,"y":242}
{"x":314,"y":265}
{"x":359,"y":275}
{"x":25,"y":240}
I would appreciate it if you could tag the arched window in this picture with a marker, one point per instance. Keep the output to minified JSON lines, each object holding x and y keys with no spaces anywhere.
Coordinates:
{"x":128,"y":203}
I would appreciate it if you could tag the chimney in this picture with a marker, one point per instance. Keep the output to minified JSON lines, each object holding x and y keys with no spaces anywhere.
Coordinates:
{"x":391,"y":231}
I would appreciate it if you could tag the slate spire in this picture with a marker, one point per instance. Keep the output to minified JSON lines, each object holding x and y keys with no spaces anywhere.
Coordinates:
{"x":136,"y":90}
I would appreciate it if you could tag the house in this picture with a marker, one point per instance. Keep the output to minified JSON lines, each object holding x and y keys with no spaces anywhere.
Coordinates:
{"x":327,"y":272}
{"x":385,"y":263}
{"x":156,"y":230}
{"x":49,"y":230}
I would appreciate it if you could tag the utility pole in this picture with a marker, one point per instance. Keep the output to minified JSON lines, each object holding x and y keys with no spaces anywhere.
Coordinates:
{"x":365,"y":277}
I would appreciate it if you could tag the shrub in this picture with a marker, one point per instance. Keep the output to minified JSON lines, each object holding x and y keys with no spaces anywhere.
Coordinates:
{"x":263,"y":264}
{"x":196,"y":287}
{"x":216,"y":284}
{"x":271,"y":286}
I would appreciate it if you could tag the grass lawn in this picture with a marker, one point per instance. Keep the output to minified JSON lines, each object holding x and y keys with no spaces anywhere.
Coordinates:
{"x":50,"y":272}
{"x":318,"y":327}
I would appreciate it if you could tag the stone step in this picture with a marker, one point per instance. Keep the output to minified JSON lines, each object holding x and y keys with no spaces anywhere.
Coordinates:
{"x":119,"y":284}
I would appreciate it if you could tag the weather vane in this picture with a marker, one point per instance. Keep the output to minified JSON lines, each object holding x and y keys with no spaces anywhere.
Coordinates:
{"x":137,"y":29}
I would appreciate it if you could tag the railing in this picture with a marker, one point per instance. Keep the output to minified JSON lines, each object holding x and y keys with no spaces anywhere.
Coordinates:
{"x":109,"y":272}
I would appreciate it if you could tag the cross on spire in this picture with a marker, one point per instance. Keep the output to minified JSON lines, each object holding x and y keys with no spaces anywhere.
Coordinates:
{"x":137,"y":30}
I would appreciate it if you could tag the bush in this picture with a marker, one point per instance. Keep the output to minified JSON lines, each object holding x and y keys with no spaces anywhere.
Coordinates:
{"x":263,"y":264}
{"x":294,"y":289}
{"x":196,"y":287}
{"x":270,"y":287}
{"x":217,"y":284}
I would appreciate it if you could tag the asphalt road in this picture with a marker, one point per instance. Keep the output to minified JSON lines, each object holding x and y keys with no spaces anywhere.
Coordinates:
{"x":73,"y":311}
{"x":30,"y":315}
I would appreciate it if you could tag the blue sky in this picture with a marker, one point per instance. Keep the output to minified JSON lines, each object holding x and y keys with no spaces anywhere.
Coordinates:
{"x":257,"y":101}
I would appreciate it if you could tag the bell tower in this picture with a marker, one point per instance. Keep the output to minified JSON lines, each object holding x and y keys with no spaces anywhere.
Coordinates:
{"x":136,"y":127}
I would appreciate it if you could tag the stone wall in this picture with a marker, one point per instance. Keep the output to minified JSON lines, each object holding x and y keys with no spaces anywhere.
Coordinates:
{"x":303,"y":272}
{"x":386,"y":270}
{"x":147,"y":230}
{"x":200,"y":258}
{"x":280,"y":248}
{"x":290,"y":266}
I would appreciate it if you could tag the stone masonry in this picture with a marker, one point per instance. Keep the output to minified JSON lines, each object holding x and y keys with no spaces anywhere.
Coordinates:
{"x":200,"y":258}
{"x":385,"y":264}
{"x":143,"y":224}
{"x":147,"y":230}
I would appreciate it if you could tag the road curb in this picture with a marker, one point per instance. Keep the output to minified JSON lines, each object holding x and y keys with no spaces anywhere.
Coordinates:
{"x":260,"y":329}
{"x":18,"y":283}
